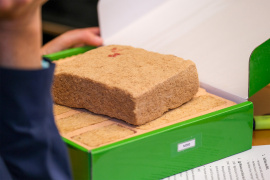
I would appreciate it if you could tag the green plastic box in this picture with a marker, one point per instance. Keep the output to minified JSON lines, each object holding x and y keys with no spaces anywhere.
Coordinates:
{"x":155,"y":155}
{"x":210,"y":137}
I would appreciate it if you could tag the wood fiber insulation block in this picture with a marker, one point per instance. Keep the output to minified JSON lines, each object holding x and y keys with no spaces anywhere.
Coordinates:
{"x":77,"y":121}
{"x":92,"y":130}
{"x":124,"y":82}
{"x":103,"y":135}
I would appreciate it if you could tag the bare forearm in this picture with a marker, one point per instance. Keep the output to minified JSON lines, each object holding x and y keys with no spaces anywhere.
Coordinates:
{"x":20,"y":43}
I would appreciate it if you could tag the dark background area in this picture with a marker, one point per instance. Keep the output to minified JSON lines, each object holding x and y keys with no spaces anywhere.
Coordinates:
{"x":59,"y":16}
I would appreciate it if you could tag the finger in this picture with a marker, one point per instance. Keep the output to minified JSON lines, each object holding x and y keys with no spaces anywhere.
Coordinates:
{"x":74,"y":38}
{"x":5,"y":7}
{"x":87,"y":36}
{"x":94,"y":30}
{"x":91,"y":37}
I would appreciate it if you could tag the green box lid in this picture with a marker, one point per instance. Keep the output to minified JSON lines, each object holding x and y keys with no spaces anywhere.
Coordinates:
{"x":259,"y":68}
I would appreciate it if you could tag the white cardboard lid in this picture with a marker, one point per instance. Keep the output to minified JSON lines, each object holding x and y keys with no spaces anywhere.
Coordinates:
{"x":218,"y":35}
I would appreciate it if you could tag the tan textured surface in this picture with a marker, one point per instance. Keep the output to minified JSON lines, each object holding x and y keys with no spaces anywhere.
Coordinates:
{"x":195,"y":106}
{"x":57,"y":109}
{"x":77,"y":121}
{"x":103,"y":135}
{"x":202,"y":103}
{"x":127,"y":83}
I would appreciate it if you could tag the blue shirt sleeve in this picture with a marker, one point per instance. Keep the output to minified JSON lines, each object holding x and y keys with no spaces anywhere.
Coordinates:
{"x":30,"y":145}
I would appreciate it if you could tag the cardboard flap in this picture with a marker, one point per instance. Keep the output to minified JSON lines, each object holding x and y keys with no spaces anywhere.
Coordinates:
{"x":218,"y":35}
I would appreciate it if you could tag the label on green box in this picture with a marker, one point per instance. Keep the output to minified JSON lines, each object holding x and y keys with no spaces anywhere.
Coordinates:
{"x":186,"y":144}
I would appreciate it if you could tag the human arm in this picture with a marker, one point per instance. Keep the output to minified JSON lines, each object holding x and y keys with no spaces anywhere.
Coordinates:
{"x":20,"y":25}
{"x":30,"y":145}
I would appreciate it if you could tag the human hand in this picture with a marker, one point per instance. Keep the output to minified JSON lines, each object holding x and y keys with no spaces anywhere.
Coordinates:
{"x":15,"y":8}
{"x":20,"y":33}
{"x":73,"y":38}
{"x":18,"y":11}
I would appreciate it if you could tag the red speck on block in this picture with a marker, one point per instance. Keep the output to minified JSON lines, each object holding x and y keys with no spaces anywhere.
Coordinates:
{"x":114,"y":49}
{"x":113,"y":55}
